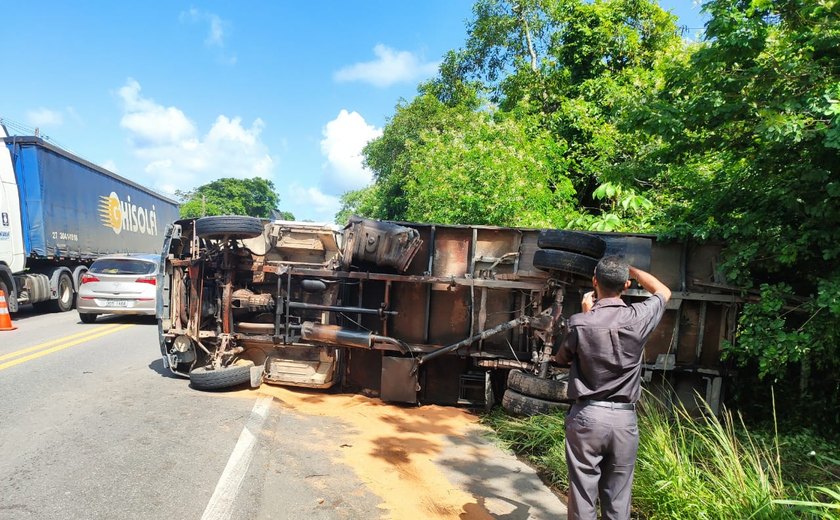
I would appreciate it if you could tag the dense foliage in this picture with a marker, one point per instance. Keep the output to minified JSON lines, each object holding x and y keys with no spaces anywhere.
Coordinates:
{"x":228,"y":196}
{"x":600,"y":115}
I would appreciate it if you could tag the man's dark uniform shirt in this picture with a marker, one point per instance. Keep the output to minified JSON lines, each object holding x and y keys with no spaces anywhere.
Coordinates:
{"x":610,"y":338}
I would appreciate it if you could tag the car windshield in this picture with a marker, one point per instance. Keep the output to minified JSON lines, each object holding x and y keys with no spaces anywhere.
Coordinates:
{"x":122,"y":266}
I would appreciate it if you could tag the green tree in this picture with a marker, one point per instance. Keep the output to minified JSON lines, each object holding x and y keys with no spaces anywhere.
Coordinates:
{"x":743,"y":147}
{"x":490,"y":171}
{"x":565,"y":69}
{"x":228,"y":196}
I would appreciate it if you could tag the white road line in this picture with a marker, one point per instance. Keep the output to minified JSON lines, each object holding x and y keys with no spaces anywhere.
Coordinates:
{"x":220,"y":506}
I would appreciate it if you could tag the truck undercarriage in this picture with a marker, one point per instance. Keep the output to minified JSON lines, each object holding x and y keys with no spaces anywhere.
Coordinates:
{"x":407,"y":312}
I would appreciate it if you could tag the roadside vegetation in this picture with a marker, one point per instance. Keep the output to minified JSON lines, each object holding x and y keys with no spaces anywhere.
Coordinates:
{"x":699,"y":467}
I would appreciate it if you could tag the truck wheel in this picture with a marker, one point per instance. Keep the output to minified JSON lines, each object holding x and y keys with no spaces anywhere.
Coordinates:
{"x":228,"y":227}
{"x":65,"y":294}
{"x":554,"y":260}
{"x":517,"y":404}
{"x":202,"y":378}
{"x":533,"y":386}
{"x":573,"y":241}
{"x":11,"y":298}
{"x":87,"y":317}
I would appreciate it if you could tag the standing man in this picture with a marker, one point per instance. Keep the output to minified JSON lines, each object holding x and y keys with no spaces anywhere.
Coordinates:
{"x":604,"y":346}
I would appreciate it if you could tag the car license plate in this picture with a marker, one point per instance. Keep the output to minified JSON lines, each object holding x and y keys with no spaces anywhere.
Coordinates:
{"x":116,"y":303}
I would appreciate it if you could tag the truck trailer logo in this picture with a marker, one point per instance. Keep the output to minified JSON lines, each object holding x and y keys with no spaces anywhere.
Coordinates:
{"x":119,"y":215}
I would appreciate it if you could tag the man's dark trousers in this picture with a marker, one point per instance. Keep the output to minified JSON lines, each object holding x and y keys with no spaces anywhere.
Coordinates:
{"x":601,"y":446}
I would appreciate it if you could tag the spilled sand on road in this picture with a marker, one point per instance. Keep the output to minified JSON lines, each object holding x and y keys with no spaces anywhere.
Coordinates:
{"x":392,"y":449}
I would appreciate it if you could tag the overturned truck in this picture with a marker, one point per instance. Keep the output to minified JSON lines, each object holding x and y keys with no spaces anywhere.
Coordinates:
{"x":420,"y":313}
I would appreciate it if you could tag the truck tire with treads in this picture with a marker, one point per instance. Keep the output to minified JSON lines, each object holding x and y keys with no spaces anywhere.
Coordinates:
{"x":66,"y":294}
{"x":230,"y":226}
{"x":573,"y":241}
{"x":517,"y":404}
{"x":554,"y":260}
{"x":533,"y":386}
{"x":236,"y":374}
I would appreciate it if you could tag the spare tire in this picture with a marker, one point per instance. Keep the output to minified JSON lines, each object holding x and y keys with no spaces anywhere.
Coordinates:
{"x":533,"y":386}
{"x":555,"y":260}
{"x":204,"y":378}
{"x":517,"y":404}
{"x":573,"y":241}
{"x":228,"y":226}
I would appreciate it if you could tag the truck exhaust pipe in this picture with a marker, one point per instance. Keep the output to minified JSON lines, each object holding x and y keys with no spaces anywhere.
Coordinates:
{"x":342,"y":337}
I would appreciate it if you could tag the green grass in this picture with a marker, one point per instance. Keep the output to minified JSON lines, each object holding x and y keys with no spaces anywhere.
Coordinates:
{"x":696,"y":468}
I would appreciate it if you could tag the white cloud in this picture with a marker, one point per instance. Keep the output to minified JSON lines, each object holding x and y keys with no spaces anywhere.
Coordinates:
{"x":177,"y":156}
{"x":44,"y":117}
{"x":217,"y":29}
{"x":344,"y":138}
{"x":391,"y":66}
{"x":322,"y":205}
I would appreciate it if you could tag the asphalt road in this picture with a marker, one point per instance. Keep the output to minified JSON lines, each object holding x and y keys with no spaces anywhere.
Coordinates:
{"x":92,"y":426}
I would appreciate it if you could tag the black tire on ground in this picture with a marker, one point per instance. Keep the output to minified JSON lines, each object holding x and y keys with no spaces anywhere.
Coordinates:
{"x":573,"y":241}
{"x":230,"y":226}
{"x":533,"y":386}
{"x":554,"y":260}
{"x":65,"y":294}
{"x":11,"y":298}
{"x":233,"y":375}
{"x":87,"y":317}
{"x":517,"y":404}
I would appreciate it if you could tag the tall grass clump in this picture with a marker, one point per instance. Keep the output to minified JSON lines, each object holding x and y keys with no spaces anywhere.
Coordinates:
{"x":541,"y":439}
{"x":698,"y":467}
{"x":703,"y":468}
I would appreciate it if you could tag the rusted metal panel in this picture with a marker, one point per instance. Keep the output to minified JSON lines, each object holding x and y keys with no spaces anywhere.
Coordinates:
{"x":702,"y":265}
{"x":449,"y":316}
{"x":399,"y":380}
{"x":666,"y":264}
{"x":689,"y":330}
{"x":363,"y":372}
{"x":409,"y":300}
{"x":440,"y":382}
{"x":452,"y":249}
{"x":661,"y":337}
{"x":500,"y":308}
{"x":495,"y":252}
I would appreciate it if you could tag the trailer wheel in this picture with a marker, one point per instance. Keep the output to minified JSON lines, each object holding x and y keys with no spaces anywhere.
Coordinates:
{"x":533,"y":386}
{"x":202,"y":378}
{"x":517,"y":404}
{"x":65,"y":294}
{"x":228,"y":226}
{"x":554,"y":260}
{"x":573,"y":241}
{"x":11,"y":297}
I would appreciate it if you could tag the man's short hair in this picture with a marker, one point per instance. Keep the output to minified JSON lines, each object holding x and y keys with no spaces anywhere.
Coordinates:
{"x":612,"y":273}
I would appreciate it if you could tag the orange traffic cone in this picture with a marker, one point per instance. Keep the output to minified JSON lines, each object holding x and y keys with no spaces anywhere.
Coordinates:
{"x":5,"y":318}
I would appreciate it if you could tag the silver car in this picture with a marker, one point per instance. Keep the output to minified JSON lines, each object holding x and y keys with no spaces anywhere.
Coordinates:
{"x":119,"y":284}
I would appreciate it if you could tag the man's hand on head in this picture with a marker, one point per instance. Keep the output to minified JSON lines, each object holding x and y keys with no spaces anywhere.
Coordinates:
{"x":588,"y":301}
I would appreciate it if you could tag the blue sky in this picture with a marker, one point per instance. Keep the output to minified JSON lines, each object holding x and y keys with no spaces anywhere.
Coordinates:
{"x":173,"y":95}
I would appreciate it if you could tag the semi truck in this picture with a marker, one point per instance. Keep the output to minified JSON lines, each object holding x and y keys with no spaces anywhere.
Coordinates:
{"x":423,"y":313}
{"x":59,"y":212}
